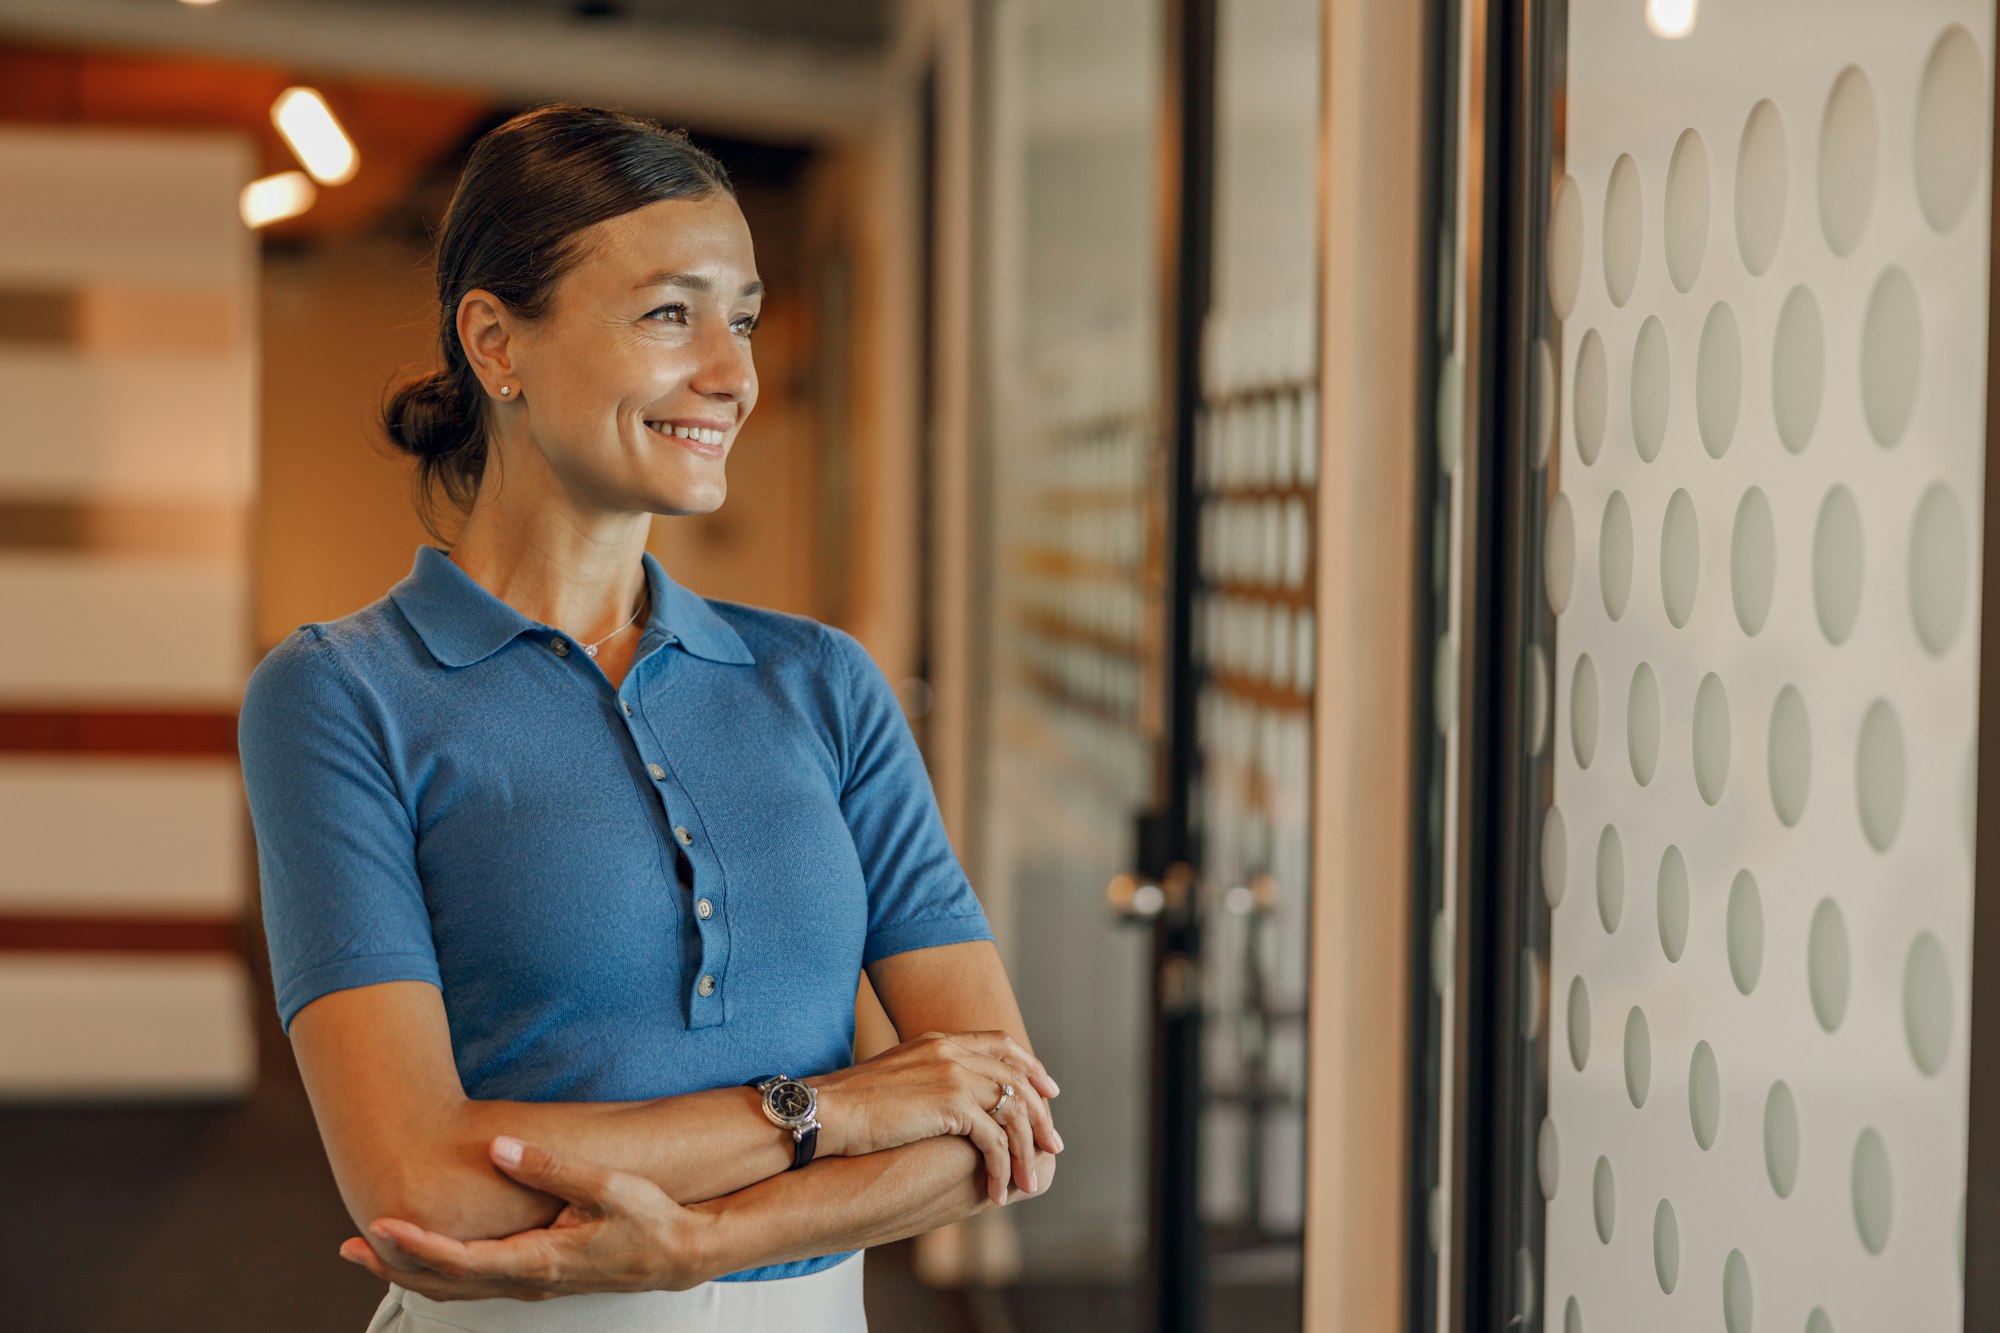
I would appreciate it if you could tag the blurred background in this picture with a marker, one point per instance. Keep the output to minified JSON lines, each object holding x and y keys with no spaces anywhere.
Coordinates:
{"x":1433,"y":550}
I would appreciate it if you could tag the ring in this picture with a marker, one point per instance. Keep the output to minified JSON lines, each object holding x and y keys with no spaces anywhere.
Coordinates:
{"x":1006,"y":1091}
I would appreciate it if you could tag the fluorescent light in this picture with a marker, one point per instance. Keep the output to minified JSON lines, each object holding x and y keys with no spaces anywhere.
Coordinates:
{"x":197,"y":2}
{"x":274,"y":198}
{"x":1671,"y":18}
{"x":307,"y":123}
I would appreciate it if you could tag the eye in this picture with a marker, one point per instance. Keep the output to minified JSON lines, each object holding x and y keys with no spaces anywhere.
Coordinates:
{"x":679,"y":309}
{"x":745,"y":324}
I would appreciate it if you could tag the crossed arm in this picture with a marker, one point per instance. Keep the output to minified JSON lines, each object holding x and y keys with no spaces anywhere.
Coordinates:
{"x":406,"y":1143}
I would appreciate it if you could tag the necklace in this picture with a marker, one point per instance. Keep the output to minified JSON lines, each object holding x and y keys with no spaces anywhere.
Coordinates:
{"x":591,"y":648}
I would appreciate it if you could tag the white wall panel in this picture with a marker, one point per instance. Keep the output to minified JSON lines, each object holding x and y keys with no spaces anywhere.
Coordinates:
{"x":122,"y":835}
{"x":142,"y":206}
{"x":159,"y":427}
{"x":86,"y":1026}
{"x":126,"y":631}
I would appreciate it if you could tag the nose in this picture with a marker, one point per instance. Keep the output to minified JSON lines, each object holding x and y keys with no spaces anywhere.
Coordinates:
{"x":725,"y":371}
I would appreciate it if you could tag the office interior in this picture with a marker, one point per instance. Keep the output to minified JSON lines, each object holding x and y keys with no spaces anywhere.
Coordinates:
{"x":1432,"y":549}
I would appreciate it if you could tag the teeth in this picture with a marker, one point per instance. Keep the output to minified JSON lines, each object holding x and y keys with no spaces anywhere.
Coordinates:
{"x":694,"y":433}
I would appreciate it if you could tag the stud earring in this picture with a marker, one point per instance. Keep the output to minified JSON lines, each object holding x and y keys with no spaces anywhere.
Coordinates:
{"x":506,"y":389}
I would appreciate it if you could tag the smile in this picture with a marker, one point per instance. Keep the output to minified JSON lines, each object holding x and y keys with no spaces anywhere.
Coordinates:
{"x":697,"y":434}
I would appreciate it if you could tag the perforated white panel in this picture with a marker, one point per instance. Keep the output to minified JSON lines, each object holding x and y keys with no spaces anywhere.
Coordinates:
{"x":1768,"y":246}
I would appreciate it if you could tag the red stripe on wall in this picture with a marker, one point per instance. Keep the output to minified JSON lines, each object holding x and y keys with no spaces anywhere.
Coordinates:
{"x":113,"y":934}
{"x":117,"y":731}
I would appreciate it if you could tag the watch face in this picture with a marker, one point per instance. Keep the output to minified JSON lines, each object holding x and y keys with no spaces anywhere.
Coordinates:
{"x":791,"y":1100}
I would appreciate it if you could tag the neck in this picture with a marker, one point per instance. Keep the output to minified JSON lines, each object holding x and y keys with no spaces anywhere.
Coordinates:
{"x":588,"y":586}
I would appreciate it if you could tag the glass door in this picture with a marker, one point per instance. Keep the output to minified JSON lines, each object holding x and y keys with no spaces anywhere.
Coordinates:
{"x":1075,"y":461}
{"x":1255,"y":468}
{"x":1152,"y":443}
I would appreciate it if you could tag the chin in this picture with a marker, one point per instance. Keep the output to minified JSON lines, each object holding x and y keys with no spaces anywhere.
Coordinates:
{"x":689,"y":501}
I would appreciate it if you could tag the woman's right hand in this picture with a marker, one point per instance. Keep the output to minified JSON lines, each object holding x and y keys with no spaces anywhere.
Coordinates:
{"x":945,"y":1083}
{"x":616,"y":1232}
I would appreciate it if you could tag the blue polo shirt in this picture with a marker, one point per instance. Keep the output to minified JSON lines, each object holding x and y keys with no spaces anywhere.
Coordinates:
{"x":622,"y":894}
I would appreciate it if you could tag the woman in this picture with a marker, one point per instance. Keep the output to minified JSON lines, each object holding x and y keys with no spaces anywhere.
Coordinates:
{"x":552,"y":849}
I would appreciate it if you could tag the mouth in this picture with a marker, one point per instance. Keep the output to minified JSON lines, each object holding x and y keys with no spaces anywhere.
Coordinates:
{"x":704,"y":440}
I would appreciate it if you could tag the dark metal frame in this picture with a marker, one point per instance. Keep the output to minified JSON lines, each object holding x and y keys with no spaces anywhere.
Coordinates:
{"x":1470,"y":1282}
{"x":1422,"y":1087}
{"x":1175,"y":1261}
{"x":1531,"y":51}
{"x":1981,"y":1241}
{"x":1493,"y":1115}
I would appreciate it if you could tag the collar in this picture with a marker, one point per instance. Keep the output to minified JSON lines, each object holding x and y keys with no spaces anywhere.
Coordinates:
{"x":462,"y":623}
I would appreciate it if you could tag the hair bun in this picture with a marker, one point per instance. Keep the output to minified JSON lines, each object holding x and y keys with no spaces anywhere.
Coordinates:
{"x":429,"y":417}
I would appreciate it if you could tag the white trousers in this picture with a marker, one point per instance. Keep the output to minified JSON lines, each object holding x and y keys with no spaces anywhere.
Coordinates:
{"x":828,"y":1301}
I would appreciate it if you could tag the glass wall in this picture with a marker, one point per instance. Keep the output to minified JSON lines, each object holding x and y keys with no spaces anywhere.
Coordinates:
{"x":1074,"y":618}
{"x":1735,"y":476}
{"x":1256,"y":469}
{"x":1788,"y":294}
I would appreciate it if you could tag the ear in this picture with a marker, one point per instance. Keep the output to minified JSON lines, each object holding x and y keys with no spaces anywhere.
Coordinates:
{"x":487,"y":331}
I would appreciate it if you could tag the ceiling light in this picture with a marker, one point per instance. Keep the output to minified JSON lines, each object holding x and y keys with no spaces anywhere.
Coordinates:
{"x":307,"y":123}
{"x":275,"y":198}
{"x":1670,"y":18}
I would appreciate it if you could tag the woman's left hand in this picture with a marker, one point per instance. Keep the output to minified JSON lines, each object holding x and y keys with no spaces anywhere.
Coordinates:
{"x":619,"y":1232}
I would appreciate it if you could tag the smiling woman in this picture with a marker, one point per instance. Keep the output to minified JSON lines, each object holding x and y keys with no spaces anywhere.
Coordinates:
{"x":549,"y":929}
{"x":569,"y":292}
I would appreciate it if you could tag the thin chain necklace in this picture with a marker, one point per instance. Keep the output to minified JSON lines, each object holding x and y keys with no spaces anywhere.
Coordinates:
{"x":591,"y":648}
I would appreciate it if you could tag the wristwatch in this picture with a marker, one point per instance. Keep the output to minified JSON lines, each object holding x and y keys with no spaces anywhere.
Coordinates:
{"x":791,"y":1105}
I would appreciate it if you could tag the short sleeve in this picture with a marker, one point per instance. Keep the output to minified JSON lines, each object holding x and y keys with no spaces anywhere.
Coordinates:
{"x":918,"y":895}
{"x":336,"y":847}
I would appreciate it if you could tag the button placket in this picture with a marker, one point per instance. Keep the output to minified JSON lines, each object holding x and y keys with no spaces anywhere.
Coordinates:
{"x":707,"y":1006}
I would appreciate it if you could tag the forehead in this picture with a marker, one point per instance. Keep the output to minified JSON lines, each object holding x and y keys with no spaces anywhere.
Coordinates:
{"x":705,"y":236}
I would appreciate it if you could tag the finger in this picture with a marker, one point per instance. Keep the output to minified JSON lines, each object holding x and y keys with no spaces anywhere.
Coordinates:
{"x":1041,"y":1121}
{"x":583,"y":1183}
{"x":991,"y":1140}
{"x":392,"y":1255}
{"x":421,"y":1280}
{"x":435,"y":1285}
{"x":1014,"y":1053}
{"x":1020,"y":1140}
{"x":1002,"y":1046}
{"x":524,"y":1258}
{"x":357,"y":1252}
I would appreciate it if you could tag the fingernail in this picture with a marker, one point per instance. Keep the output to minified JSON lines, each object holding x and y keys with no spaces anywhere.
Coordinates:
{"x":1034,"y":1186}
{"x":1055,"y":1088}
{"x":507,"y":1150}
{"x":345,"y":1254}
{"x":1056,"y":1134}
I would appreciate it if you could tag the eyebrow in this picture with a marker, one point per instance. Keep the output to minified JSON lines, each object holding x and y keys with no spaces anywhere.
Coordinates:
{"x":694,"y":282}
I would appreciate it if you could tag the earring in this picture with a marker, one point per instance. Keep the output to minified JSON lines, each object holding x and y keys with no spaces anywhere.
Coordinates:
{"x":506,"y":389}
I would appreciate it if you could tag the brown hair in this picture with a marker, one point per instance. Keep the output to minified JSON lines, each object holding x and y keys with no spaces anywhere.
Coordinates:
{"x":529,"y":187}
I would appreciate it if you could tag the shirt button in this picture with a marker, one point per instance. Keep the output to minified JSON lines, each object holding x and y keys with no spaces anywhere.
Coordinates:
{"x":628,"y":708}
{"x":656,"y":771}
{"x":704,"y":909}
{"x":562,"y":648}
{"x":687,"y":839}
{"x":707,"y":986}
